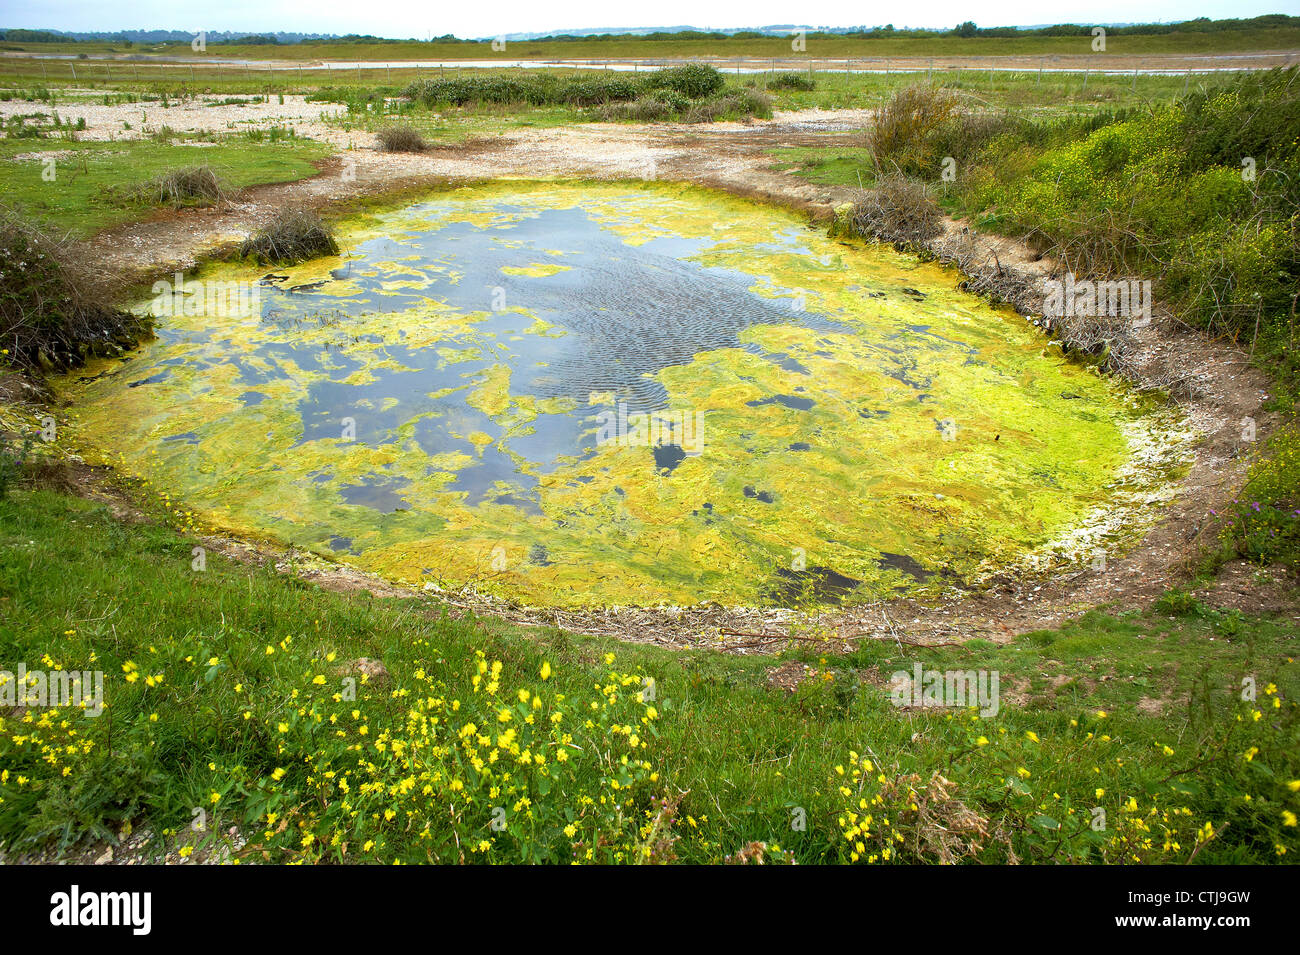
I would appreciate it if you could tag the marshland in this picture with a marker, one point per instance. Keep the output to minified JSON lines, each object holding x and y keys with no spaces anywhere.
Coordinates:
{"x":415,"y":440}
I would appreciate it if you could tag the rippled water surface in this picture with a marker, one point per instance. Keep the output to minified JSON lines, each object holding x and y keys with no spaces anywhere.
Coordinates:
{"x":459,"y":399}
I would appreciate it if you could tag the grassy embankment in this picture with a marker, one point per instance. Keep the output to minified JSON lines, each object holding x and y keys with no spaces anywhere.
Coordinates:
{"x":96,"y":184}
{"x":227,"y":691}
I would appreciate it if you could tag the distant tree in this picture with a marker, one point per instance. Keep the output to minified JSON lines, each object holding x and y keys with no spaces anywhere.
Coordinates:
{"x":967,"y":29}
{"x":34,"y":36}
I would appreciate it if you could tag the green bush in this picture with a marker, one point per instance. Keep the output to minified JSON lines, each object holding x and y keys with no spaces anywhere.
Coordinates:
{"x":1165,"y":193}
{"x":739,"y":104}
{"x":529,"y":89}
{"x":791,"y":81}
{"x":695,"y":80}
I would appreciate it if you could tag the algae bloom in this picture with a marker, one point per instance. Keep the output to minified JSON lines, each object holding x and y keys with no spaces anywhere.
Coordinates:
{"x":612,"y":394}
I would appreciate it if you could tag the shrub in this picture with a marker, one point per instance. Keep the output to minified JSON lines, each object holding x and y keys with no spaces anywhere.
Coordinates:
{"x":791,"y":81}
{"x":695,"y":80}
{"x":647,"y":109}
{"x":294,"y":235}
{"x":1263,"y":524}
{"x":1161,"y":193}
{"x":692,"y":82}
{"x":902,"y":135}
{"x":897,"y":210}
{"x":533,"y":90}
{"x":401,"y":139}
{"x":52,"y":314}
{"x":965,"y":135}
{"x":740,"y":104}
{"x":593,"y":92}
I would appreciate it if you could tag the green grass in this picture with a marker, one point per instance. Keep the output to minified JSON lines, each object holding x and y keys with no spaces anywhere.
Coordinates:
{"x":736,"y":759}
{"x":146,"y":75}
{"x":457,"y":124}
{"x":1051,"y":94}
{"x":819,"y":45}
{"x":93,"y":180}
{"x":827,"y":165}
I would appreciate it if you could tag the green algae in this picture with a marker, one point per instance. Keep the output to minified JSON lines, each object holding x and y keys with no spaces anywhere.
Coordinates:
{"x":905,"y":435}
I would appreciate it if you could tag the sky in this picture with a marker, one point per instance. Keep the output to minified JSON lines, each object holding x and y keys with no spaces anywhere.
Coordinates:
{"x":423,"y":18}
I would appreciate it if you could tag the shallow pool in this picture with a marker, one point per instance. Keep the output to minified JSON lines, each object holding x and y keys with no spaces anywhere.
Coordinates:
{"x":580,"y":394}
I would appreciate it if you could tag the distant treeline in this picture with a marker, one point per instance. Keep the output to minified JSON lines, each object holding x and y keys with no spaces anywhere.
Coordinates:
{"x":967,"y":29}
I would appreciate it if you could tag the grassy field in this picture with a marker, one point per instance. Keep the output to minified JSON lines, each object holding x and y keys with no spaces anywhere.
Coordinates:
{"x":632,"y":47}
{"x":834,"y":90}
{"x":93,"y":184}
{"x":595,"y":750}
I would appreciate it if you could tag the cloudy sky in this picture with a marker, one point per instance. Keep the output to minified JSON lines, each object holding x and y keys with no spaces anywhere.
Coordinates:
{"x":422,"y":18}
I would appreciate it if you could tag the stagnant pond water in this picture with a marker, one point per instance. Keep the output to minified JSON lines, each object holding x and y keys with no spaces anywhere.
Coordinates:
{"x":586,"y":394}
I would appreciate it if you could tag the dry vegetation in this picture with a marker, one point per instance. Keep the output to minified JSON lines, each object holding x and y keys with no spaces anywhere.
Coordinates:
{"x":401,"y":139}
{"x":898,"y":210}
{"x":52,"y":311}
{"x":193,"y":185}
{"x":294,"y":235}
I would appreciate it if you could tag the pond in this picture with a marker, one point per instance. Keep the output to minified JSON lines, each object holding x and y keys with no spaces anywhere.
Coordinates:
{"x":581,"y":394}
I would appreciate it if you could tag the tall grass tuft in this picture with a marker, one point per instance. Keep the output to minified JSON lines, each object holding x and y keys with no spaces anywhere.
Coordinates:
{"x":294,"y":235}
{"x":792,"y":81}
{"x":401,"y":139}
{"x":191,"y":186}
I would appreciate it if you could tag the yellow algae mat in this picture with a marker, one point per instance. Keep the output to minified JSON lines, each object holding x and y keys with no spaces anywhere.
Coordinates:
{"x":578,"y":394}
